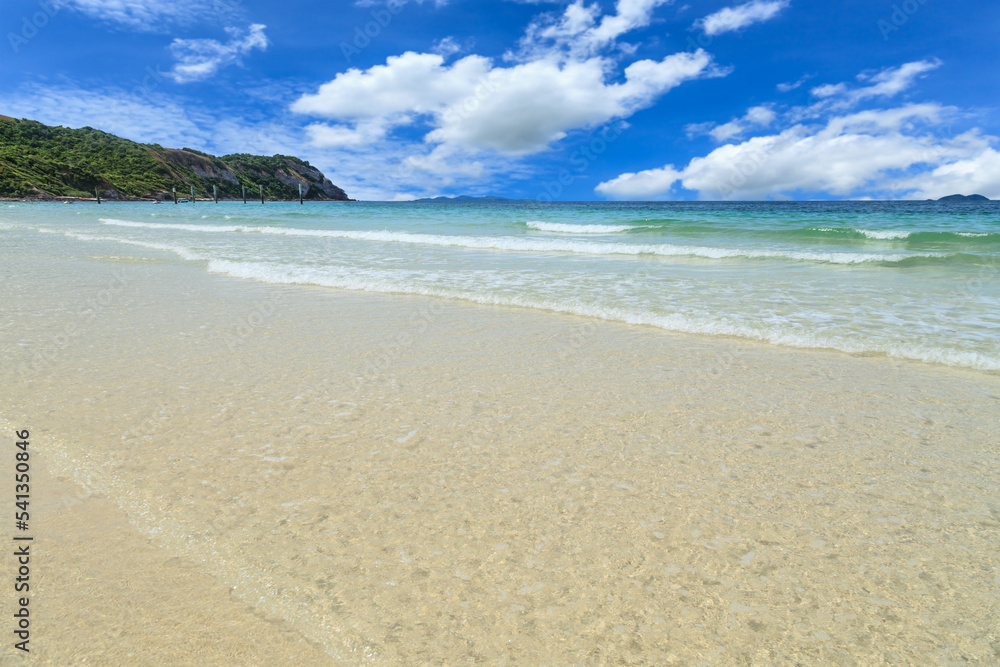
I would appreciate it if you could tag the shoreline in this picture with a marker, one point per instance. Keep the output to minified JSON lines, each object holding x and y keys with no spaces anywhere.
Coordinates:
{"x":509,"y":469}
{"x":95,"y":574}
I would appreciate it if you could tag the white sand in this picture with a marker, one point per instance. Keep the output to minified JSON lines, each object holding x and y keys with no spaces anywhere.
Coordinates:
{"x":399,"y":480}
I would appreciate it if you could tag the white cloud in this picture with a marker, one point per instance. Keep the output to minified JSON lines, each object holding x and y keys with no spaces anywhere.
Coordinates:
{"x":516,"y":110}
{"x":898,"y":151}
{"x":741,"y":16}
{"x":446,"y":47}
{"x":430,"y":121}
{"x":563,"y":97}
{"x":363,"y":134}
{"x":578,"y":30}
{"x":199,"y":59}
{"x":886,"y":83}
{"x":409,"y":84}
{"x":755,"y":117}
{"x":859,"y":152}
{"x":395,"y":4}
{"x":645,"y":185}
{"x":978,"y":174}
{"x":787,"y":87}
{"x":631,"y":14}
{"x":153,"y":15}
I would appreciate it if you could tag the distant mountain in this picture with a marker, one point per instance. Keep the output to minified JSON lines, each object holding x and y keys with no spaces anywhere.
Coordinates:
{"x":40,"y":161}
{"x":467,"y":198}
{"x":951,"y":198}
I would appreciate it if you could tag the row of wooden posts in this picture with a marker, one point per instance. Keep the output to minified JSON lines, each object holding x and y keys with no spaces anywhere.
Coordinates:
{"x":215,"y":194}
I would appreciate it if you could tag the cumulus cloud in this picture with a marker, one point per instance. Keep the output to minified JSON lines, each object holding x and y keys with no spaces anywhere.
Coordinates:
{"x":730,"y":19}
{"x":363,"y":134}
{"x":579,"y":32}
{"x":407,"y":85}
{"x":152,"y":15}
{"x":476,"y":115}
{"x":979,"y":173}
{"x":896,"y":151}
{"x":645,"y":185}
{"x":861,"y":151}
{"x":515,"y":110}
{"x":199,"y":59}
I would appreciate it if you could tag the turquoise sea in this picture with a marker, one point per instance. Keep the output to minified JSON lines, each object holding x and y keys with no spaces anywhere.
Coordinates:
{"x":914,"y":280}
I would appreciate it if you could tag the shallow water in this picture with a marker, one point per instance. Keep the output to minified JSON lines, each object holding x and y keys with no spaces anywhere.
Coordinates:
{"x":404,"y":479}
{"x":910,"y":280}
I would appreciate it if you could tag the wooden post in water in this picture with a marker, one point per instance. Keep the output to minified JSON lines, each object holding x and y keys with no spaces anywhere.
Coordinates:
{"x":244,"y":194}
{"x":175,"y":195}
{"x":261,"y":194}
{"x":300,"y":193}
{"x":98,"y":193}
{"x":215,"y":191}
{"x":192,"y":194}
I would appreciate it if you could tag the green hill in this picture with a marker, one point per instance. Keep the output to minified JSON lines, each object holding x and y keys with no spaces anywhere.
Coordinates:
{"x":41,"y":161}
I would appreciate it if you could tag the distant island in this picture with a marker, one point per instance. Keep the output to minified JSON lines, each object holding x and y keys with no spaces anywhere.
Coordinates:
{"x":957,"y":198}
{"x":468,"y":198}
{"x":39,"y":161}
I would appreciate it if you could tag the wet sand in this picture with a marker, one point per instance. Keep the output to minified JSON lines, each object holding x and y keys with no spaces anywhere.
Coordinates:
{"x":107,"y":595}
{"x":345,"y":477}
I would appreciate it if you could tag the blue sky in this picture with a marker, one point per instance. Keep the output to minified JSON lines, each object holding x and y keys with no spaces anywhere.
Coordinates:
{"x":634,"y":99}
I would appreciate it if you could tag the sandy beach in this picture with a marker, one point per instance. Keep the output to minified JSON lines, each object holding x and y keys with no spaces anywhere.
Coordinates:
{"x":229,"y":471}
{"x":516,"y":334}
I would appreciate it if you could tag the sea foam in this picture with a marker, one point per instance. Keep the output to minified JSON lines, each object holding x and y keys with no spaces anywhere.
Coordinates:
{"x":563,"y":228}
{"x":400,"y":282}
{"x":884,"y":234}
{"x":528,"y":244}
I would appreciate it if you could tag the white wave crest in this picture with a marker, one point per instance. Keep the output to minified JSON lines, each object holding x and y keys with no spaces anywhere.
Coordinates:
{"x":400,"y":282}
{"x":173,"y":225}
{"x":884,"y":234}
{"x":184,"y":253}
{"x":563,"y":228}
{"x":522,"y":244}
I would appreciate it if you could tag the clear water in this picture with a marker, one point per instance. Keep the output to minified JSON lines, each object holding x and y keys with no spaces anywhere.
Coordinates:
{"x":908,"y":279}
